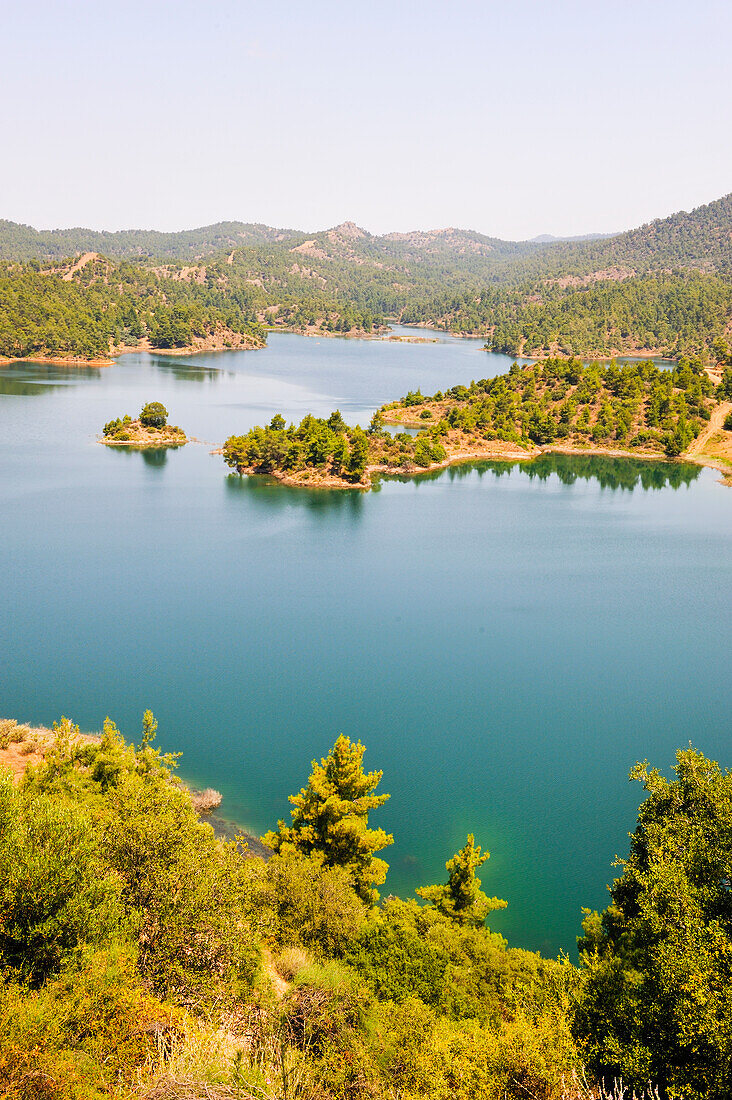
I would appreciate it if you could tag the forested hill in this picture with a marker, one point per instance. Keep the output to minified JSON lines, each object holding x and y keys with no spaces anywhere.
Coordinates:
{"x":23,"y":242}
{"x":701,"y":239}
{"x":664,"y":288}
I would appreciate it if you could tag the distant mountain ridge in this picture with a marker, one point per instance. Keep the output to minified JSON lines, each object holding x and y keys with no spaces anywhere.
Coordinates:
{"x":23,"y":242}
{"x":549,"y":238}
{"x":701,"y":238}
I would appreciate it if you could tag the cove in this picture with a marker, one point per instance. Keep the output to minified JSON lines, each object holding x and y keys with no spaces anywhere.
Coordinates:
{"x":505,"y":640}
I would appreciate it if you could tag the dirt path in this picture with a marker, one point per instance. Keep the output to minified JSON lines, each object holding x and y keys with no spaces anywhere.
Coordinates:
{"x":279,"y":985}
{"x":81,"y":262}
{"x":715,"y":424}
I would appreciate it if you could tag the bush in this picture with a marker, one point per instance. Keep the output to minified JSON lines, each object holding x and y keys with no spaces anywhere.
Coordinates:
{"x":181,"y":889}
{"x":56,"y":895}
{"x":728,"y":422}
{"x":184,"y":889}
{"x":82,"y":1034}
{"x":154,"y":415}
{"x":291,"y":962}
{"x":11,"y":732}
{"x":296,"y":901}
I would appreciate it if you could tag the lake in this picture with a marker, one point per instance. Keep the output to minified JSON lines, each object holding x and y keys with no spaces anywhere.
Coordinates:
{"x":506,"y":641}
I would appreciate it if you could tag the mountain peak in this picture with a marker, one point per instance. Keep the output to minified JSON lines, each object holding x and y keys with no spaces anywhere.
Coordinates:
{"x":349,"y":230}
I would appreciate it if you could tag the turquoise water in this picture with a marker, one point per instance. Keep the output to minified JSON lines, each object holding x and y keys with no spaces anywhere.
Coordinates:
{"x":506,"y":641}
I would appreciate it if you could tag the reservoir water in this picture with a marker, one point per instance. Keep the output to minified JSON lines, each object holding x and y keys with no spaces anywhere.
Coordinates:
{"x":506,"y":641}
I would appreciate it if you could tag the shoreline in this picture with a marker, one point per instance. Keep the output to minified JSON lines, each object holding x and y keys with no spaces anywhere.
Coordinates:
{"x":328,"y":482}
{"x":250,"y":344}
{"x":592,"y":357}
{"x":202,"y":348}
{"x":43,"y":738}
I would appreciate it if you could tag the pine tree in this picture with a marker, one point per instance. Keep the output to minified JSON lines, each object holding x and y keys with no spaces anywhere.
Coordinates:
{"x":461,"y":898}
{"x":330,"y":819}
{"x":359,"y":454}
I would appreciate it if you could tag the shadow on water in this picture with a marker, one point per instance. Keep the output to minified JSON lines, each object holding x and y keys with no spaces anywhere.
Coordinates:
{"x":272,"y":492}
{"x":610,"y":473}
{"x":613,"y":473}
{"x":28,"y":379}
{"x":151,"y":456}
{"x":186,"y":371}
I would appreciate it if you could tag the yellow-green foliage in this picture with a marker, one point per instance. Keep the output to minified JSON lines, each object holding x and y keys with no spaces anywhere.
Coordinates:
{"x":118,"y":908}
{"x":295,"y":900}
{"x":657,"y":978}
{"x":83,"y":1034}
{"x":57,"y":893}
{"x":181,"y":891}
{"x":330,"y":818}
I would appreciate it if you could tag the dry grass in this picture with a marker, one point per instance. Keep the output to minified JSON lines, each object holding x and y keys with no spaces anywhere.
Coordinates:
{"x":579,"y":1089}
{"x":11,"y":733}
{"x":205,"y":802}
{"x":291,"y":961}
{"x":235,"y":1059}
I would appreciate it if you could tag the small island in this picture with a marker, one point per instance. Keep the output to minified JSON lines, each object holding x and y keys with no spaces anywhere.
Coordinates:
{"x":149,"y":430}
{"x":562,"y":405}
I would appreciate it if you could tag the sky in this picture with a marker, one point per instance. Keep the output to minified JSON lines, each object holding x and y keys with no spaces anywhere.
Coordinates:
{"x":514,"y":118}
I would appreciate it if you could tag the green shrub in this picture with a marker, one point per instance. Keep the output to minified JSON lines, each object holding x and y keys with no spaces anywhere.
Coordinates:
{"x":154,"y":415}
{"x":56,"y":894}
{"x":293,"y":900}
{"x":183,"y":888}
{"x":656,"y":996}
{"x":291,"y":962}
{"x":83,"y":1034}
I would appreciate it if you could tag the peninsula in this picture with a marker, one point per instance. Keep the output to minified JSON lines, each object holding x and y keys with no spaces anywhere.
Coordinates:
{"x":628,"y":409}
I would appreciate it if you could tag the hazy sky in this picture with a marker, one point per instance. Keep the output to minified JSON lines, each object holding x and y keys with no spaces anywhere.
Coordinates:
{"x":513,"y":118}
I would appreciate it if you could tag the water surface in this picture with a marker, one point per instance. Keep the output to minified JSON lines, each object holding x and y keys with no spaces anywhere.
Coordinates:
{"x":505,"y":640}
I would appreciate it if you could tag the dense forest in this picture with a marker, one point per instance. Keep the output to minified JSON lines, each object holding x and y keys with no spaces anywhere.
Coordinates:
{"x":142,"y":956}
{"x":669,"y":314}
{"x":88,"y":312}
{"x":665,"y":287}
{"x":626,"y":405}
{"x":562,"y":402}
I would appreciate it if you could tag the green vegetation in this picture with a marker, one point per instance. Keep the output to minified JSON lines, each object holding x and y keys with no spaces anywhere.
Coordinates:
{"x":330,"y":819}
{"x":563,"y":402}
{"x":327,"y":450}
{"x":150,"y":429}
{"x":142,"y":956}
{"x":556,"y":402}
{"x":662,"y":287}
{"x":461,"y":898}
{"x":102,"y":306}
{"x":671,"y":314}
{"x":656,"y":998}
{"x":154,"y":415}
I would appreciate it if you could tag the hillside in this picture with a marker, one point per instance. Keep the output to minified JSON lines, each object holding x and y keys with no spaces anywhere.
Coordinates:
{"x":145,"y":959}
{"x":23,"y":242}
{"x":700,"y":239}
{"x":662,"y":289}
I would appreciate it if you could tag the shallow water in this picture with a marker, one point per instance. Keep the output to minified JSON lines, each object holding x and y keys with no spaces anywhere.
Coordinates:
{"x":505,"y":640}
